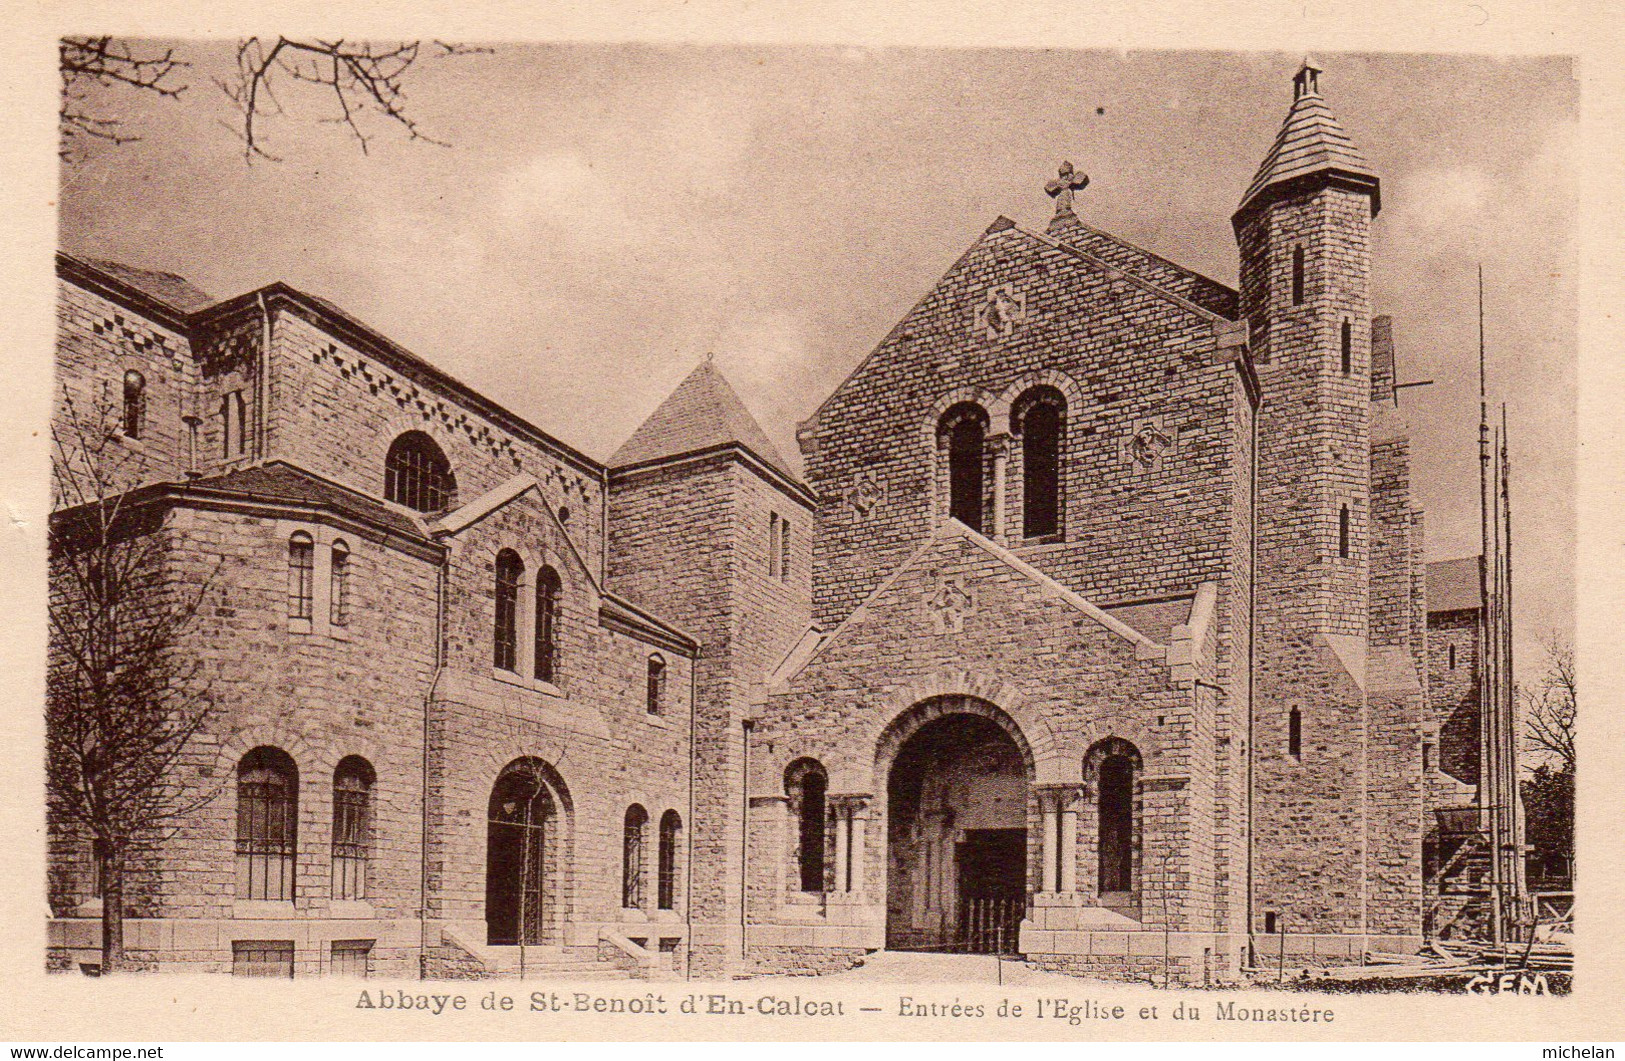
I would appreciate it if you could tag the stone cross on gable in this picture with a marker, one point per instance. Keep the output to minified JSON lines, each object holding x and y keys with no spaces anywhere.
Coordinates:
{"x":1062,"y":188}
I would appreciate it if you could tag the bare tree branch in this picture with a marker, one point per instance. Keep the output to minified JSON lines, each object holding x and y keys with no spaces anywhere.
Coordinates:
{"x":1550,"y":712}
{"x":91,"y":62}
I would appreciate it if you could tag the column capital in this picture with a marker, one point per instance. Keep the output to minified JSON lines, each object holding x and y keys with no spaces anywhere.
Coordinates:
{"x":850,"y":804}
{"x":998,"y":445}
{"x":1061,"y":797}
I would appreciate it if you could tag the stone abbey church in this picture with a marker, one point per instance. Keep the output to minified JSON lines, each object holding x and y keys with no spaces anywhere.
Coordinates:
{"x":1098,"y":630}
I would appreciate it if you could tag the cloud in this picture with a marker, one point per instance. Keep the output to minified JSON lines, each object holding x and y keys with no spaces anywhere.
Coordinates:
{"x":561,"y":191}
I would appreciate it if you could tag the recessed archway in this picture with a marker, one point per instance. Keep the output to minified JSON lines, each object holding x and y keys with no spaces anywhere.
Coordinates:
{"x":525,"y":841}
{"x":958,"y":784}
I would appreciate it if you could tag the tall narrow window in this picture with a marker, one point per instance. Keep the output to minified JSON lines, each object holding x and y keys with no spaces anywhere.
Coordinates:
{"x":671,"y":827}
{"x":339,"y":586}
{"x":547,"y":624}
{"x":965,"y":427}
{"x":807,"y":786}
{"x":267,"y":824}
{"x":773,"y":543}
{"x":1348,"y":348}
{"x":233,"y":409}
{"x":352,"y":827}
{"x":1039,"y":424}
{"x":1116,"y":840}
{"x":1452,"y":654}
{"x":1294,"y":733}
{"x":637,"y":821}
{"x":239,"y":410}
{"x":417,"y":474}
{"x":1297,"y":276}
{"x":301,"y":575}
{"x":784,"y":549}
{"x":1343,"y":532}
{"x":510,"y":572}
{"x":656,"y":690}
{"x":1427,"y":755}
{"x":135,"y":404}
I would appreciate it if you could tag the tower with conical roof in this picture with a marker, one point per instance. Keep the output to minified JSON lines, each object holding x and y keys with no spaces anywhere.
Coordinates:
{"x":1303,"y":228}
{"x":710,"y":528}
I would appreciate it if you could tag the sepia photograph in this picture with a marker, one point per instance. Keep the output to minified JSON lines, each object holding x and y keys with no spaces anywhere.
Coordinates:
{"x":564,"y":516}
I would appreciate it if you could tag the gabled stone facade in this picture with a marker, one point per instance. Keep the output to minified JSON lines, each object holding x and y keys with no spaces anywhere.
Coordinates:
{"x":1097,"y":632}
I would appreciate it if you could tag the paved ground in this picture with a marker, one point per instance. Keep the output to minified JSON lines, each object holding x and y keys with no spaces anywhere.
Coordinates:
{"x":913,"y":967}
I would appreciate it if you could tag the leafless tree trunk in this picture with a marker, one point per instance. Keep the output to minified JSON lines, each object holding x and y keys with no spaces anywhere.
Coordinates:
{"x":122,"y":700}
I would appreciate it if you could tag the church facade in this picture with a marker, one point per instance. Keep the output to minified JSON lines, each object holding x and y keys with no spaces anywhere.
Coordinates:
{"x":1096,"y":630}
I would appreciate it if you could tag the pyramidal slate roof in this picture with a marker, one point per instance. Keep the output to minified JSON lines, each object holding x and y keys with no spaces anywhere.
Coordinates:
{"x":1310,"y":142}
{"x":702,"y":413}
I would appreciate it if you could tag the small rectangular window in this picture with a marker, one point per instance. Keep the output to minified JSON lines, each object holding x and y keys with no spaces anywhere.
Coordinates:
{"x":1343,"y":532}
{"x":262,"y":957}
{"x":1272,"y":922}
{"x":1427,"y":755}
{"x":240,"y":407}
{"x":784,"y":548}
{"x":1294,"y":734}
{"x":773,"y":544}
{"x":352,"y":957}
{"x":1297,"y":276}
{"x":1348,"y":348}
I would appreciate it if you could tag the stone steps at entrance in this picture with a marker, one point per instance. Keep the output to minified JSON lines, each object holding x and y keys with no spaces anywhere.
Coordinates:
{"x":546,"y":963}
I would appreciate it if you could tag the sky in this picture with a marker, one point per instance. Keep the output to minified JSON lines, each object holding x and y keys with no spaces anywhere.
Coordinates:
{"x":605,"y":216}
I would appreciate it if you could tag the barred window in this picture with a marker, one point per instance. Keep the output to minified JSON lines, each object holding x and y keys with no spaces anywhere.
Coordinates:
{"x":262,"y":957}
{"x":267,"y":824}
{"x":547,"y":624}
{"x":671,"y":828}
{"x":352,"y":827}
{"x":339,"y":597}
{"x":301,"y":575}
{"x":417,"y":474}
{"x":510,"y":572}
{"x":352,"y":957}
{"x":637,"y":821}
{"x":135,"y":404}
{"x":656,"y":684}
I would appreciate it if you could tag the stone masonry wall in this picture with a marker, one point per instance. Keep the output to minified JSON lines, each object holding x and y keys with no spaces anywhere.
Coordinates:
{"x":1130,"y":363}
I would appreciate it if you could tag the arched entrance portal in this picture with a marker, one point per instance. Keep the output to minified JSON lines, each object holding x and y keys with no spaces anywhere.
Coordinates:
{"x":956,"y":841}
{"x":521,"y":855}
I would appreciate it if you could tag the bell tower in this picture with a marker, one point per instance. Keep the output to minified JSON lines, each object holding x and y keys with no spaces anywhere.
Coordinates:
{"x":1303,"y":228}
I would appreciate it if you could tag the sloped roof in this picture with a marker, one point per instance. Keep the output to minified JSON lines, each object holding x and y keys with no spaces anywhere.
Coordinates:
{"x":702,"y":413}
{"x":277,"y":481}
{"x":173,"y":291}
{"x":1452,"y":585}
{"x":1153,"y":268}
{"x":1310,"y":142}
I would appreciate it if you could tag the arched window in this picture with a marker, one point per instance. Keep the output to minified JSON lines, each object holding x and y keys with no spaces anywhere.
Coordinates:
{"x":637,"y":822}
{"x":135,"y":404}
{"x":1116,"y":824}
{"x":1038,"y":418}
{"x":267,"y":824}
{"x":352,"y":826}
{"x":807,"y":785}
{"x":339,"y":585}
{"x":510,"y":572}
{"x":301,"y":575}
{"x":547,"y":624}
{"x":656,"y":685}
{"x":964,"y":428}
{"x":417,"y":474}
{"x":671,"y":829}
{"x":1294,"y":733}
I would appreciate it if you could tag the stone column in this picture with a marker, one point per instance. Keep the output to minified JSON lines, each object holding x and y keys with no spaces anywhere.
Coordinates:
{"x":841,"y":827}
{"x":1068,"y":839}
{"x":859,"y":812}
{"x":998,"y":446}
{"x":1047,"y":819}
